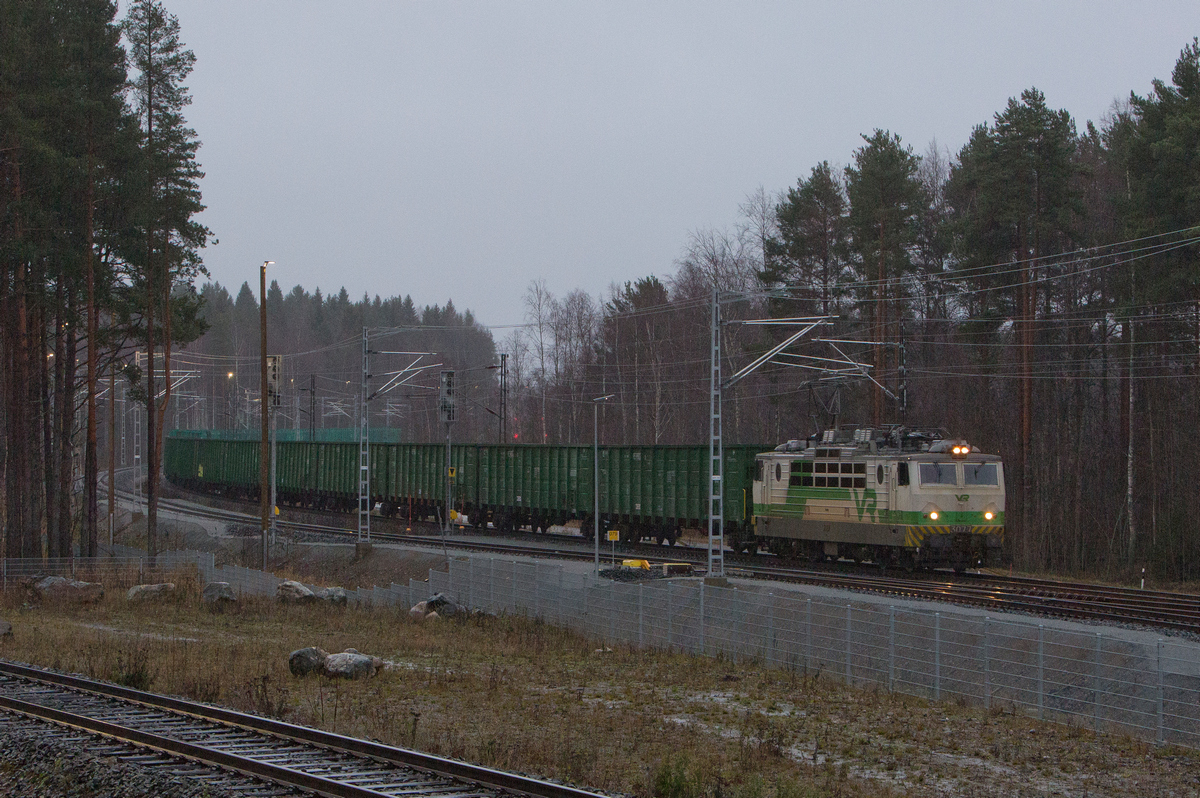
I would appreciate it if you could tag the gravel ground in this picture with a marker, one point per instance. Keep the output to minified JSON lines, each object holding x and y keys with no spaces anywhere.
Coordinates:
{"x":35,"y":764}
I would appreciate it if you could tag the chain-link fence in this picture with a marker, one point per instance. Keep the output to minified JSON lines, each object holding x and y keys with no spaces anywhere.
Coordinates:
{"x":1109,"y":682}
{"x":1149,"y":688}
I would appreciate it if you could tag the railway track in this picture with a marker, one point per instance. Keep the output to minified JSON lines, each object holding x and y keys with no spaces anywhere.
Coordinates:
{"x":193,"y":739}
{"x":1075,"y":600}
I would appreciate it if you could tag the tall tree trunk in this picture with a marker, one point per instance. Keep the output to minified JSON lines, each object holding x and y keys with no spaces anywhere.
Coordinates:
{"x":91,"y":463}
{"x":65,"y":450}
{"x":56,"y":399}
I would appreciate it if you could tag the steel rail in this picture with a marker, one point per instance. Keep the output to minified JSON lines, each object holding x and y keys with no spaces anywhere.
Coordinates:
{"x":460,"y":772}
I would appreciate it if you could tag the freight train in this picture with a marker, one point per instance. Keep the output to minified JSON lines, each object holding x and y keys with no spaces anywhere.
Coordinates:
{"x":893,"y":496}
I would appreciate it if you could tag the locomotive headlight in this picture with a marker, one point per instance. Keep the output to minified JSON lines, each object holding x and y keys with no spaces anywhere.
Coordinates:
{"x":989,"y":515}
{"x":933,"y":515}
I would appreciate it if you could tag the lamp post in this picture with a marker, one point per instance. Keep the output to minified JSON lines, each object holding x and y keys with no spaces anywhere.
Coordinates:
{"x":596,"y":470}
{"x":264,"y":453}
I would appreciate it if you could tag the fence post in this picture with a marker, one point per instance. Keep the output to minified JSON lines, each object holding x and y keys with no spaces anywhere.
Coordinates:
{"x":937,"y":656}
{"x":807,"y":631}
{"x":770,"y":646}
{"x":560,"y":603}
{"x":537,"y":591}
{"x":491,"y":584}
{"x":471,"y":582}
{"x":987,"y":663}
{"x":641,"y":617}
{"x":848,"y":640}
{"x":702,"y":651}
{"x":513,"y":571}
{"x":1160,"y":693}
{"x":670,"y":614}
{"x":891,"y":648}
{"x":5,"y":574}
{"x":612,"y":612}
{"x":1041,"y":670}
{"x":1096,"y":687}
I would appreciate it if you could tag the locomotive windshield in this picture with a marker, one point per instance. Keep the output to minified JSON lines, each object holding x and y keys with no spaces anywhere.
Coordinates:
{"x":980,"y":474}
{"x":939,"y":474}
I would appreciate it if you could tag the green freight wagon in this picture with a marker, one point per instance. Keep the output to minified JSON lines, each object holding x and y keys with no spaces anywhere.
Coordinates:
{"x":645,"y":491}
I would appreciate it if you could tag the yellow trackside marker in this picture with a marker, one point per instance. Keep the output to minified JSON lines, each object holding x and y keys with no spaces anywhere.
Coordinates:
{"x":614,"y":534}
{"x":200,"y":471}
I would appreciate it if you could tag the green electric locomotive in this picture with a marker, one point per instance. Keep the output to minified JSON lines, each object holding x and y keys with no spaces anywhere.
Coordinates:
{"x":894,"y":496}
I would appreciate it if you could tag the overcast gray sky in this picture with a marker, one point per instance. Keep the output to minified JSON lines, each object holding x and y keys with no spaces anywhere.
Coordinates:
{"x":461,"y":150}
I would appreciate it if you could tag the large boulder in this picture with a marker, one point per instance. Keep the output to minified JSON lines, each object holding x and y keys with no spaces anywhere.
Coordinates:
{"x":304,"y":661}
{"x":443,"y":605}
{"x":58,"y":588}
{"x":436,"y":606}
{"x":334,"y":595}
{"x":150,"y":592}
{"x":350,"y":665}
{"x":292,"y":592}
{"x":218,"y":595}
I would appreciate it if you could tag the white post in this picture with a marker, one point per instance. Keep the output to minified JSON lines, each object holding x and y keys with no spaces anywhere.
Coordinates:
{"x":1041,"y":679}
{"x":1160,"y":693}
{"x":987,"y":663}
{"x":770,"y":646}
{"x":641,"y":618}
{"x":937,"y":656}
{"x":670,"y":614}
{"x":807,"y":632}
{"x":891,"y":648}
{"x":848,"y":642}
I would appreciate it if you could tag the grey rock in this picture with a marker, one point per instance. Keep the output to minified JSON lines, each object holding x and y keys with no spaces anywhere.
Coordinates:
{"x":334,"y":595}
{"x":62,"y":589}
{"x":148,"y":592}
{"x":443,"y":605}
{"x":304,"y":661}
{"x":5,"y":629}
{"x":218,"y":595}
{"x":419,"y":611}
{"x":348,"y":665}
{"x":292,"y":592}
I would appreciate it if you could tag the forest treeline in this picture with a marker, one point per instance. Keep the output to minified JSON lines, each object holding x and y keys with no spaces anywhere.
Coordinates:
{"x":1035,"y":292}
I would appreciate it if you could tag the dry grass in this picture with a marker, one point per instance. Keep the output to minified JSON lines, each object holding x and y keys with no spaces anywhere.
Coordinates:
{"x":518,"y":694}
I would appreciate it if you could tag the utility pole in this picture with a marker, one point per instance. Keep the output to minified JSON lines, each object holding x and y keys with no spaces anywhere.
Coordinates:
{"x":263,"y":453}
{"x":364,"y":446}
{"x":716,"y":458}
{"x":446,"y":405}
{"x":503,"y":397}
{"x":716,"y":454}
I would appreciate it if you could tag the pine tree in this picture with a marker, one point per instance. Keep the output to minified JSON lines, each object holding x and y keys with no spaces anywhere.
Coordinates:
{"x":167,"y":257}
{"x":886,"y":205}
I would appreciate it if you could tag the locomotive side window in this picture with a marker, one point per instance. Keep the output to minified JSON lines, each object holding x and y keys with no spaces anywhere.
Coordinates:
{"x":801,"y":474}
{"x":879,"y":474}
{"x":778,"y":472}
{"x":980,"y":474}
{"x":939,"y":474}
{"x":901,"y":473}
{"x":758,"y":470}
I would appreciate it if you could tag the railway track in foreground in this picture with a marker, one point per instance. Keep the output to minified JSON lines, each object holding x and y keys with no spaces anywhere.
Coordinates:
{"x":210,"y":743}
